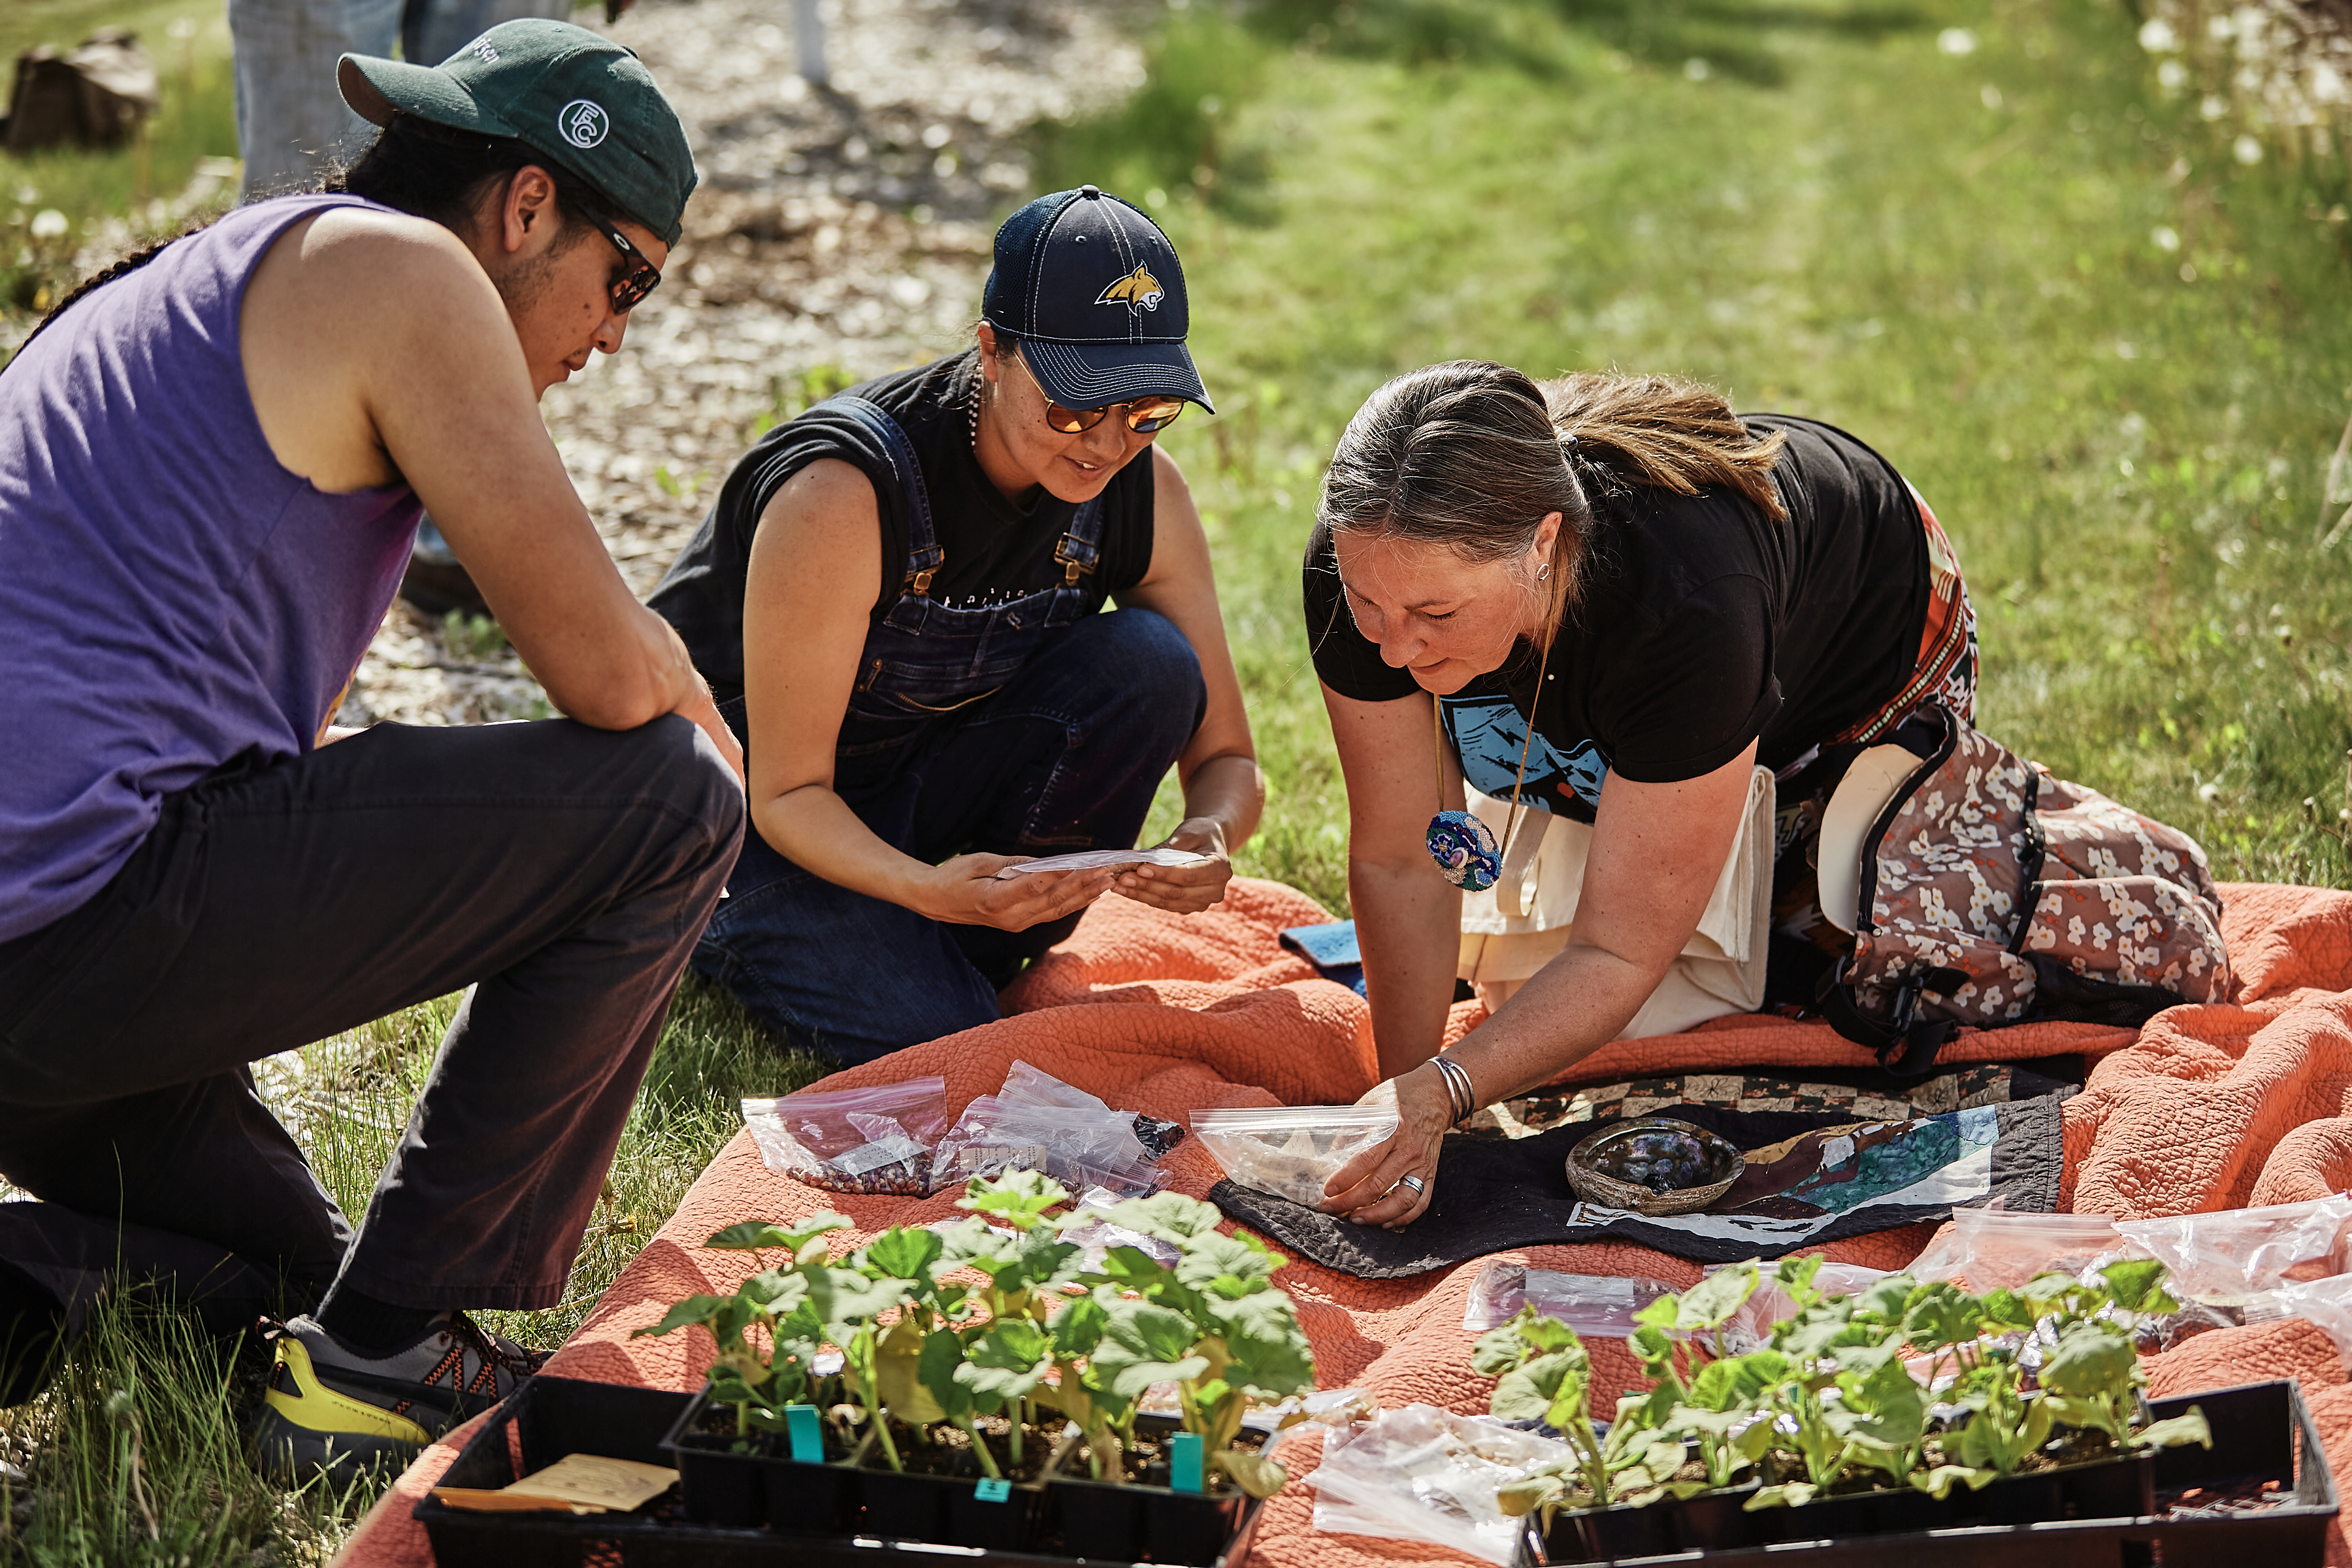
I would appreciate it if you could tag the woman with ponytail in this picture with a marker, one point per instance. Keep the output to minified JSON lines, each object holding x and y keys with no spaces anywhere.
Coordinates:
{"x":1610,"y":599}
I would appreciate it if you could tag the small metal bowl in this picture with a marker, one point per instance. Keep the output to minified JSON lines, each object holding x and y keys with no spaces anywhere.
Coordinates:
{"x":1594,"y":1185}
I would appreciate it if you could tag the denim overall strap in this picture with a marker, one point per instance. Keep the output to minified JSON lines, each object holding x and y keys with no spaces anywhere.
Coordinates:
{"x":924,"y":555}
{"x":1081,"y":546}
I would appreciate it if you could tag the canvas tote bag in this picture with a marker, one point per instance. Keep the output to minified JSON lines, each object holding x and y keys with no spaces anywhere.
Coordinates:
{"x":1519,"y":924}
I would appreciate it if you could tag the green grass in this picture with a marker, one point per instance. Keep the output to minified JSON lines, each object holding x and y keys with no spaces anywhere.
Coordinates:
{"x":144,"y":1371}
{"x":1953,"y":255}
{"x":134,"y":186}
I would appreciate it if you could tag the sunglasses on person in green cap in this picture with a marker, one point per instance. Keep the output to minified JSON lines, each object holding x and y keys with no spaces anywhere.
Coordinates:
{"x":641,"y":278}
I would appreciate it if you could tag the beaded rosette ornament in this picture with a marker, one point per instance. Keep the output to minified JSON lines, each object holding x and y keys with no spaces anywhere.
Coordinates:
{"x":1463,"y":847}
{"x":1464,"y":850}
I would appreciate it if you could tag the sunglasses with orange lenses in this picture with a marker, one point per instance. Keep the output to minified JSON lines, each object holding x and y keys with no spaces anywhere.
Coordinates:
{"x":1144,"y":415}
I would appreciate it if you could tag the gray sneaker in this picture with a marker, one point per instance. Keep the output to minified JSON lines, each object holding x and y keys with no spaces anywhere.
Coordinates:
{"x":330,"y":1409}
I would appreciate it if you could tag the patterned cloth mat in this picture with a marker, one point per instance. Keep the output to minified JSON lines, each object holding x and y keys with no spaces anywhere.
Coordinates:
{"x":1865,"y":1096}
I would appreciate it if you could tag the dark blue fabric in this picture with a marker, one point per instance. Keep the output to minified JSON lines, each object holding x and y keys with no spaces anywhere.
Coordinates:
{"x":1331,"y":949}
{"x":990,"y":547}
{"x":1066,"y":754}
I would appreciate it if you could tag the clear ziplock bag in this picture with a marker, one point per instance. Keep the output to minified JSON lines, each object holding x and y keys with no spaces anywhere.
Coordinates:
{"x":1291,"y":1150}
{"x":1597,"y":1306}
{"x":1040,"y":1123}
{"x":1024,"y":1084}
{"x":1101,"y":859}
{"x":877,"y":1139}
{"x":1991,"y":1247}
{"x":1089,"y":1226}
{"x":2233,"y":1257}
{"x":1750,"y":1328}
{"x":1424,"y":1474}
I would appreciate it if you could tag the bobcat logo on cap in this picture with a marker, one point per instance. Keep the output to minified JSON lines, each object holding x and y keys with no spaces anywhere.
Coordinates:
{"x":1139,"y":291}
{"x":583,"y":123}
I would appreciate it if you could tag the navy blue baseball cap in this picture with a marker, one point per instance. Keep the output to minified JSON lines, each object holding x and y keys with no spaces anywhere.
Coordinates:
{"x":1093,"y":290}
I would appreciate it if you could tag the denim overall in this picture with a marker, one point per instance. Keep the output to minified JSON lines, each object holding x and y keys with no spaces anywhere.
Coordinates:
{"x":1031,"y":727}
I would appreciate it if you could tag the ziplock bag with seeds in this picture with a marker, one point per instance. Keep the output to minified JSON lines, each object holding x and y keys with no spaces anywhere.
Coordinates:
{"x":877,"y":1139}
{"x":1040,"y":1123}
{"x":1291,"y":1150}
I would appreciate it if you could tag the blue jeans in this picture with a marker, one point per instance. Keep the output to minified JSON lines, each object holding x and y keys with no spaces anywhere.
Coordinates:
{"x":292,"y":121}
{"x":1066,"y":756}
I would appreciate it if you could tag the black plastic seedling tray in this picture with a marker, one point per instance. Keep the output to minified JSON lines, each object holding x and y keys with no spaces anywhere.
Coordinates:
{"x":2262,"y":1432}
{"x":549,"y":1417}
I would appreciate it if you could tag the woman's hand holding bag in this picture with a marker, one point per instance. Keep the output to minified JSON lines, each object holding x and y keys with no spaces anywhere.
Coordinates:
{"x":966,"y":890}
{"x":1371,"y":1188}
{"x":1183,"y":890}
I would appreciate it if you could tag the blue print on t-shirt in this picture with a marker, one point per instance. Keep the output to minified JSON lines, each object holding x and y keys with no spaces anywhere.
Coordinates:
{"x":1487,"y":733}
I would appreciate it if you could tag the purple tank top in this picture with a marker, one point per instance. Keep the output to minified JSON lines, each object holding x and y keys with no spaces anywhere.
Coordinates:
{"x":170,"y":596}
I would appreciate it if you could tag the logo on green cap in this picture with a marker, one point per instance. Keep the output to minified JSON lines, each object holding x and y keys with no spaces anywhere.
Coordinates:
{"x":585,"y":123}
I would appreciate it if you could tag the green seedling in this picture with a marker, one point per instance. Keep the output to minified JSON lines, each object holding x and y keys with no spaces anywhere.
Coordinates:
{"x":1214,"y":1324}
{"x":775,"y":1305}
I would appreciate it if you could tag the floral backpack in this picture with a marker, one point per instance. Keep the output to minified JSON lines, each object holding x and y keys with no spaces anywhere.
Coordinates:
{"x":1992,"y":893}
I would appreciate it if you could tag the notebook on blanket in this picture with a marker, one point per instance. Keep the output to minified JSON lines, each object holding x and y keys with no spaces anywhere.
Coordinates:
{"x":1812,"y":1177}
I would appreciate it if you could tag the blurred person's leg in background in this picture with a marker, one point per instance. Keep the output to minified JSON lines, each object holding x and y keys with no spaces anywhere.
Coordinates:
{"x":433,"y":30}
{"x":290,"y":119}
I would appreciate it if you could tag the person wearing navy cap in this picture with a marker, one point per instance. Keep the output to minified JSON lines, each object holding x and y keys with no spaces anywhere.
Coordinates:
{"x":898,"y":599}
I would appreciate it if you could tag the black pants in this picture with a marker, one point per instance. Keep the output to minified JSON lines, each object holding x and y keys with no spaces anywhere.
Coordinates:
{"x":560,"y":872}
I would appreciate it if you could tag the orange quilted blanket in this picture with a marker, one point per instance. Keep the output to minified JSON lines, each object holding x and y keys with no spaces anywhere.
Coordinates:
{"x":2209,"y":1107}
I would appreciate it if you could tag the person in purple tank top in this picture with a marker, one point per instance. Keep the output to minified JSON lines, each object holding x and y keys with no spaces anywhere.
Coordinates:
{"x":213,"y":459}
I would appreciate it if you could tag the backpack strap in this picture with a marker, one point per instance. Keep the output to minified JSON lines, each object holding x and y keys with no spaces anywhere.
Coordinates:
{"x":1906,"y":1044}
{"x":924,"y":556}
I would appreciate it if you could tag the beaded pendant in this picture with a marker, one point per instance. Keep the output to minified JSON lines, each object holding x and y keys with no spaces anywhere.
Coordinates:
{"x":1464,"y":850}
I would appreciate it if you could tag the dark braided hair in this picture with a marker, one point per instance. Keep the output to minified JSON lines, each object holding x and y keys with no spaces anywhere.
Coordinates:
{"x":413,"y":165}
{"x":98,"y":280}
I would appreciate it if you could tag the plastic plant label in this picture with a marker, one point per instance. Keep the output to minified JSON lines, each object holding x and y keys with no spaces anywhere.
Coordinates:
{"x":807,"y":1438}
{"x":1184,"y":1467}
{"x":996,"y":1489}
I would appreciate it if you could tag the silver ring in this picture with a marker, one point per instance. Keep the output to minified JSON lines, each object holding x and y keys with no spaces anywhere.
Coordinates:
{"x":1415,"y":1183}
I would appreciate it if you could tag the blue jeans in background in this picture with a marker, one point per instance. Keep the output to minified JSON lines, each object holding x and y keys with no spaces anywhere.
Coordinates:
{"x":1064,"y":756}
{"x":292,"y":121}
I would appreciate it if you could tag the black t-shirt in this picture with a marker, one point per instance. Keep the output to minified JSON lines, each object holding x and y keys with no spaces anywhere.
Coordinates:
{"x":994,"y":551}
{"x":1703,"y":625}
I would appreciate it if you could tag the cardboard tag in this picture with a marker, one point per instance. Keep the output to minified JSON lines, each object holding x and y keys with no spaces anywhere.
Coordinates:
{"x":1184,"y":1468}
{"x":996,"y":1490}
{"x":477,"y":1500}
{"x":577,"y":1483}
{"x":807,"y":1437}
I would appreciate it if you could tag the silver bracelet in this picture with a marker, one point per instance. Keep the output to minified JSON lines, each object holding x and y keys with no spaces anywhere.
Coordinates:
{"x":1464,"y":1094}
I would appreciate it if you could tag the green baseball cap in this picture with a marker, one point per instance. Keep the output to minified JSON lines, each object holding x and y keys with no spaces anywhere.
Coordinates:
{"x":583,"y":101}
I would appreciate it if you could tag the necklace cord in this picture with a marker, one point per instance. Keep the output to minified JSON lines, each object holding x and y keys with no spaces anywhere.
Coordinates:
{"x":1437,"y":733}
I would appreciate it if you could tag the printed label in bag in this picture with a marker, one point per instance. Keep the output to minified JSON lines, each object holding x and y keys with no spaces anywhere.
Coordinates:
{"x":895,"y":1150}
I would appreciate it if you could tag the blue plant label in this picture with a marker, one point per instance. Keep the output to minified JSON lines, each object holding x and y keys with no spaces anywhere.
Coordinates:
{"x":996,"y":1490}
{"x":807,"y":1438}
{"x":1185,"y":1462}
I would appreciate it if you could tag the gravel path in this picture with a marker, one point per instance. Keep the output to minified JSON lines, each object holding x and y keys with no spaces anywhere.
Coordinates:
{"x":839,"y":232}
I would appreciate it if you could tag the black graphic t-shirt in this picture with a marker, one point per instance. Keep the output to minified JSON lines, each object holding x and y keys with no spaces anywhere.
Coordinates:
{"x":1704,"y":625}
{"x":994,"y":550}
